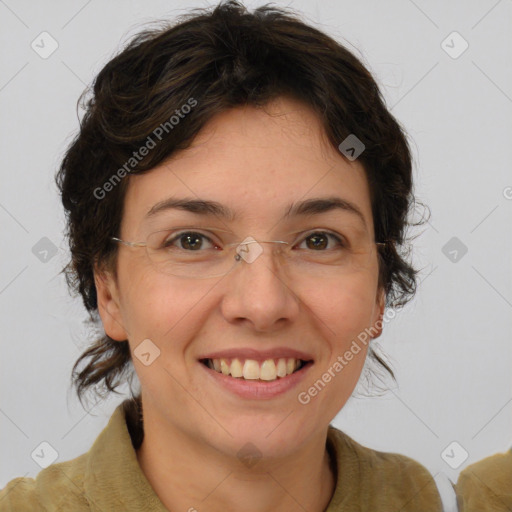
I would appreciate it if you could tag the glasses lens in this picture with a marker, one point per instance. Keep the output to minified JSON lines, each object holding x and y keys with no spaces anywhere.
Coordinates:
{"x":194,"y":254}
{"x":188,"y":253}
{"x":331,"y":262}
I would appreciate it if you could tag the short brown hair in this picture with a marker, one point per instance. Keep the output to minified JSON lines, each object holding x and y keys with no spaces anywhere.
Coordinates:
{"x":221,"y":57}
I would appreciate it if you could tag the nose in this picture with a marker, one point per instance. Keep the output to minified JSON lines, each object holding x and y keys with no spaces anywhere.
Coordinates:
{"x":257,"y":293}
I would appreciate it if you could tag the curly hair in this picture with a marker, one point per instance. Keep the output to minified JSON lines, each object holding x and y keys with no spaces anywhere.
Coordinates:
{"x":221,"y":57}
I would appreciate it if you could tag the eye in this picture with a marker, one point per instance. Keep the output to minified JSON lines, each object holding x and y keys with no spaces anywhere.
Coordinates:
{"x":319,"y":240}
{"x":188,"y":240}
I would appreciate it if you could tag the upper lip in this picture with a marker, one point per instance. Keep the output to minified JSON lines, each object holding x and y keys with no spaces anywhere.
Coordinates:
{"x":258,"y":355}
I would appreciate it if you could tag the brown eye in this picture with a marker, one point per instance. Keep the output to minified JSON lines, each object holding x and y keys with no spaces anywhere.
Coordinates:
{"x":189,"y":241}
{"x":319,"y":241}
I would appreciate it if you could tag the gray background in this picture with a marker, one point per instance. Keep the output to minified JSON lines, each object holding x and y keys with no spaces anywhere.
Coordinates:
{"x":450,"y":348}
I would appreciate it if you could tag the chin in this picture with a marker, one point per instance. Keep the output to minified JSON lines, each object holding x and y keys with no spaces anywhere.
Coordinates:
{"x":269,"y":436}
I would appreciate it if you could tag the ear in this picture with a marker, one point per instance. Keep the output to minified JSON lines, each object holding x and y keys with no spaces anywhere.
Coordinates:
{"x":380,"y":306}
{"x":109,"y":305}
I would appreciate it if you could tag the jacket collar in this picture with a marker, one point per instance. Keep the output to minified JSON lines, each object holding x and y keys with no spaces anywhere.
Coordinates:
{"x":113,"y":479}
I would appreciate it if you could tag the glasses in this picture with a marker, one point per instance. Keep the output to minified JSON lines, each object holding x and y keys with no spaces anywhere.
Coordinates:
{"x":198,"y":253}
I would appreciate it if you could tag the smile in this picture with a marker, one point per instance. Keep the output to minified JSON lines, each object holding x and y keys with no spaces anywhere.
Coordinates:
{"x":251,"y":369}
{"x":253,"y":379}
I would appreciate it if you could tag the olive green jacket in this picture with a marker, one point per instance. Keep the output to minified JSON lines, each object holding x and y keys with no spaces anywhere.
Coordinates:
{"x":486,"y":486}
{"x":108,"y":478}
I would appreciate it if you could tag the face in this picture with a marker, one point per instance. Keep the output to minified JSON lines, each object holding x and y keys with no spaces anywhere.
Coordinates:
{"x":256,"y":163}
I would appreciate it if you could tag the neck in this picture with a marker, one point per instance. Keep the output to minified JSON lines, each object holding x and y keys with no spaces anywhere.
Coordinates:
{"x":188,"y":474}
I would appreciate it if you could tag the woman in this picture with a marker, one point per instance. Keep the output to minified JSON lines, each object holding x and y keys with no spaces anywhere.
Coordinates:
{"x":237,"y":201}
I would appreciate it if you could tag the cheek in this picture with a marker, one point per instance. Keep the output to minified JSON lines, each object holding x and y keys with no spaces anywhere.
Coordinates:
{"x":344,"y":307}
{"x":149,"y":301}
{"x":342,"y":312}
{"x":161,"y":308}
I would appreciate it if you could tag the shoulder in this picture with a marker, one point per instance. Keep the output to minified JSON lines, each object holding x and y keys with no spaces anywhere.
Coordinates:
{"x":55,"y":488}
{"x":487,"y":485}
{"x":382,"y":480}
{"x":379,"y":465}
{"x":107,"y":477}
{"x":18,"y":495}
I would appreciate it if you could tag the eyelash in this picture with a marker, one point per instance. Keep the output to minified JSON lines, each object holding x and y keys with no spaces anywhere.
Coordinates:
{"x":169,"y":242}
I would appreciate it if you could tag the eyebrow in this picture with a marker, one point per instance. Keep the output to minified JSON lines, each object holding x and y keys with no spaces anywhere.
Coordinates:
{"x":313,"y":206}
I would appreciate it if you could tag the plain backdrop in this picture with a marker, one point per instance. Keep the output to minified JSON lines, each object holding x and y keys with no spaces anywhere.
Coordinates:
{"x":450,"y":347}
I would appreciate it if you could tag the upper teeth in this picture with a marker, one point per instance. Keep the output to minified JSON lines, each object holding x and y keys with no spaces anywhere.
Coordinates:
{"x":270,"y":369}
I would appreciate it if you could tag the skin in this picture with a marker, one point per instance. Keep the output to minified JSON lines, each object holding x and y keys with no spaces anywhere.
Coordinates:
{"x":193,"y":430}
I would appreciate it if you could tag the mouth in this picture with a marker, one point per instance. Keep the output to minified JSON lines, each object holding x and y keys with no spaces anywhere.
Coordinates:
{"x":254,"y":370}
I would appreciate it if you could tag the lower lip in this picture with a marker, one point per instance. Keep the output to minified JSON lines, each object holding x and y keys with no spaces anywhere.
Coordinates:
{"x":257,"y":389}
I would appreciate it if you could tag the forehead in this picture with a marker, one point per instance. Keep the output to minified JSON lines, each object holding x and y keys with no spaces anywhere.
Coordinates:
{"x":256,"y":162}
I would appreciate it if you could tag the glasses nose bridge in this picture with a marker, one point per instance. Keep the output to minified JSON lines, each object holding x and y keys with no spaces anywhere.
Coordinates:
{"x":250,"y":248}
